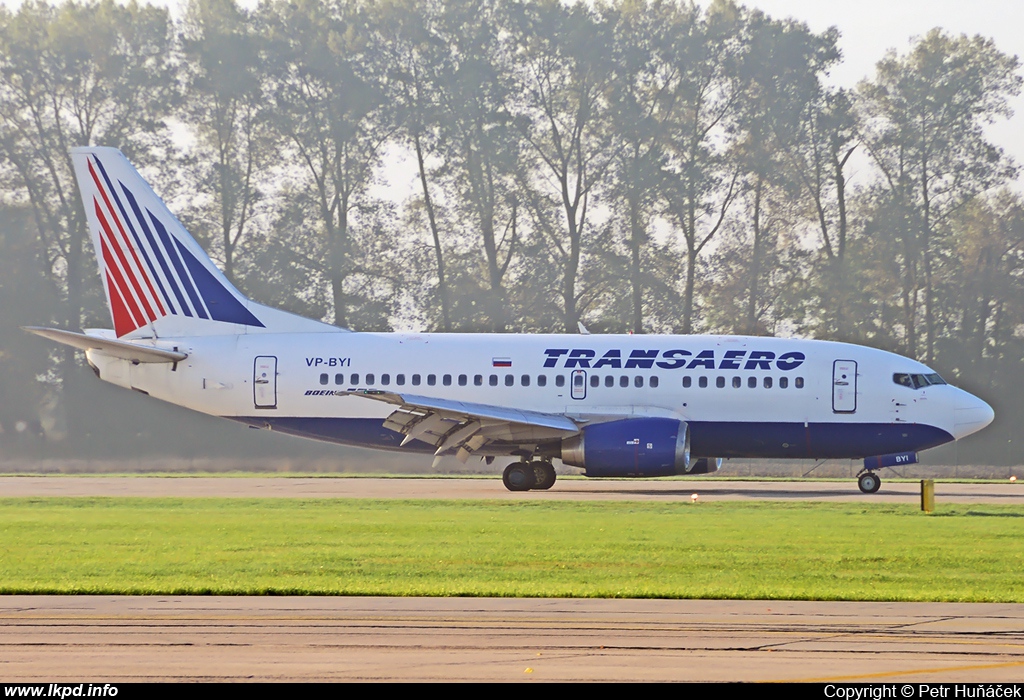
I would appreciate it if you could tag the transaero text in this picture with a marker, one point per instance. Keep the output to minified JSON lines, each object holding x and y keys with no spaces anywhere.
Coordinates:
{"x":584,"y":358}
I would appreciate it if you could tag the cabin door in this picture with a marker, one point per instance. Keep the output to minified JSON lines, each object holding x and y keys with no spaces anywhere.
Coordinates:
{"x":579,"y":384}
{"x":844,"y":386}
{"x":264,"y":382}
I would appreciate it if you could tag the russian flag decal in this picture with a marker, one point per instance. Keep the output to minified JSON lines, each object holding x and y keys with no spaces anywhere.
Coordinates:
{"x":501,"y":362}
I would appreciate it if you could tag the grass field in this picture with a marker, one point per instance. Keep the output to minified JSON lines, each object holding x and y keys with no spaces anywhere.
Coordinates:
{"x":491,"y":548}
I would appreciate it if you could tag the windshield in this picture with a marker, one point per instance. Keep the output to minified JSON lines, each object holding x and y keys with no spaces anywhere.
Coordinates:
{"x":917,"y":381}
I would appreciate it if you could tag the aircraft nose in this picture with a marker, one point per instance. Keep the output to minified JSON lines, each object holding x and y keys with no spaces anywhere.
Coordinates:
{"x":970,"y":414}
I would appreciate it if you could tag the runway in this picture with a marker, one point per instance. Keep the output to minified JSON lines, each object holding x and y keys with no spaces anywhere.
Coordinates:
{"x":121,"y":639}
{"x":843,"y":490}
{"x":109,"y":639}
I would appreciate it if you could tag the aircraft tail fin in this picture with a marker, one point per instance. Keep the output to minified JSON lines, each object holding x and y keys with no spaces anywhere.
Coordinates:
{"x":157,"y":279}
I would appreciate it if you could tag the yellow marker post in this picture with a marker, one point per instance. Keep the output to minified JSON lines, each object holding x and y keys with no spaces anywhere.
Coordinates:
{"x":928,"y":495}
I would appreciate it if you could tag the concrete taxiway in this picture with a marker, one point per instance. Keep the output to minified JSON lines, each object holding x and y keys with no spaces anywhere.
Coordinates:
{"x":119,"y":639}
{"x":456,"y":488}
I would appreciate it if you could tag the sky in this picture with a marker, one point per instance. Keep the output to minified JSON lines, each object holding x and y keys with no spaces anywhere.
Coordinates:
{"x":869,"y":28}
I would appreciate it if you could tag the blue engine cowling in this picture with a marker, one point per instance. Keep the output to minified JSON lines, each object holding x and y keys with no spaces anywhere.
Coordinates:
{"x":631,"y":447}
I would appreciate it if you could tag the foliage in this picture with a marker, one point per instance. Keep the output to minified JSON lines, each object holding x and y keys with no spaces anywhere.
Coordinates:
{"x":504,"y":165}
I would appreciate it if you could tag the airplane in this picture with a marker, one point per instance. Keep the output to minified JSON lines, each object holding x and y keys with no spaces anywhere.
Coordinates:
{"x":612,"y":405}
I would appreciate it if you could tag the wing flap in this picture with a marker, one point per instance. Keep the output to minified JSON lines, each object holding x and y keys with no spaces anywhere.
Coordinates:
{"x":464,"y":427}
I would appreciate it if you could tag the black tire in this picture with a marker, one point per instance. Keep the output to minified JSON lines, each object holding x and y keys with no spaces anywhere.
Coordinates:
{"x":544,"y":475}
{"x":519,"y":476}
{"x":869,"y":482}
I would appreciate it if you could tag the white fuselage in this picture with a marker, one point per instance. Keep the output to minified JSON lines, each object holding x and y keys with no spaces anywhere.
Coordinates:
{"x":742,"y":396}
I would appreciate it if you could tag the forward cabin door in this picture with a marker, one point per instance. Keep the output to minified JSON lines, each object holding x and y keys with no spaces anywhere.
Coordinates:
{"x":264,"y":382}
{"x":844,"y":386}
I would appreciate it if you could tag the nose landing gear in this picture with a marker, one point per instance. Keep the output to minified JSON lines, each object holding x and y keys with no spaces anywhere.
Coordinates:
{"x":523,"y":476}
{"x":869,"y":482}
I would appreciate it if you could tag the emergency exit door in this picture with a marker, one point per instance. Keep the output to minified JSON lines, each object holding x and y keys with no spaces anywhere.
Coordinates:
{"x":264,"y":382}
{"x":844,"y":386}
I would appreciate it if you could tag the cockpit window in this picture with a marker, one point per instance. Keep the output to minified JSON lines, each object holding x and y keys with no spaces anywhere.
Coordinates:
{"x":917,"y":381}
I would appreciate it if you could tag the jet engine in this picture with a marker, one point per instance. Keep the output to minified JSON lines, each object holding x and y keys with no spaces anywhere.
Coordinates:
{"x":631,"y":447}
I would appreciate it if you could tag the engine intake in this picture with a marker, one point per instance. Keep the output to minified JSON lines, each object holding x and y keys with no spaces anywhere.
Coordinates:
{"x":631,"y":447}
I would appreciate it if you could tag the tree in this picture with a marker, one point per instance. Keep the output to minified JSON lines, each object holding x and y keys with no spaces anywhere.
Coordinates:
{"x":328,"y":105}
{"x":925,"y":113}
{"x":640,"y":101}
{"x":226,"y":106}
{"x":562,"y":71}
{"x":74,"y":75}
{"x":700,"y":183}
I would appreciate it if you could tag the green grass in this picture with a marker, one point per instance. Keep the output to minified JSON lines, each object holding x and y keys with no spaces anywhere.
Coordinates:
{"x":492,"y":548}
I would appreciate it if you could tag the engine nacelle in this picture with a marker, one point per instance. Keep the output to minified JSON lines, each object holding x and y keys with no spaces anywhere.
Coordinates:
{"x":631,"y":447}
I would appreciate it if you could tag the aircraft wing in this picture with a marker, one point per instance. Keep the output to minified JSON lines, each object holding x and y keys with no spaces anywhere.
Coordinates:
{"x":465,"y":427}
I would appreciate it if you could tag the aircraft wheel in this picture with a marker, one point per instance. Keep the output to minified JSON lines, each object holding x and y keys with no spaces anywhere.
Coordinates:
{"x":869,"y":482}
{"x":519,"y":476}
{"x":544,"y":475}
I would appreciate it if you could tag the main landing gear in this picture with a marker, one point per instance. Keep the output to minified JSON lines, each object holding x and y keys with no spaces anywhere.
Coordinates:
{"x":869,"y":482}
{"x":523,"y":476}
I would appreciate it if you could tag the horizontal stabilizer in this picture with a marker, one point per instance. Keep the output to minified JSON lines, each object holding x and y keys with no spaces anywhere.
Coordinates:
{"x":118,"y":348}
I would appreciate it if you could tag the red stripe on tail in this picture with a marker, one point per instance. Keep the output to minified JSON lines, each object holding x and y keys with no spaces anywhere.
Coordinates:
{"x":123,"y":323}
{"x":121,"y":288}
{"x":135,"y":286}
{"x":124,"y":236}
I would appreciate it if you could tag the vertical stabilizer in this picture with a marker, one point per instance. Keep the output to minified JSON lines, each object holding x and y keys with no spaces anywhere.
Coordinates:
{"x":157,"y":279}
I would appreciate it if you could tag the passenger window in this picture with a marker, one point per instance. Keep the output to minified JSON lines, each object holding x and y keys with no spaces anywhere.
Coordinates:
{"x":415,"y":380}
{"x":687,"y":381}
{"x":752,"y":382}
{"x":509,"y":380}
{"x":720,"y":382}
{"x":339,"y":379}
{"x":595,"y":381}
{"x":559,"y":380}
{"x":799,"y":383}
{"x":609,"y":381}
{"x":542,"y":380}
{"x":478,"y":380}
{"x":577,"y":381}
{"x":446,"y":379}
{"x":463,"y":380}
{"x":400,"y":380}
{"x":493,"y":380}
{"x":783,"y":382}
{"x":385,"y":379}
{"x":623,"y":381}
{"x":638,"y":381}
{"x":323,"y":378}
{"x":431,"y":379}
{"x":767,"y":382}
{"x":369,"y":379}
{"x":354,"y":379}
{"x":737,"y":382}
{"x":703,"y":382}
{"x":654,"y":382}
{"x":525,"y":379}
